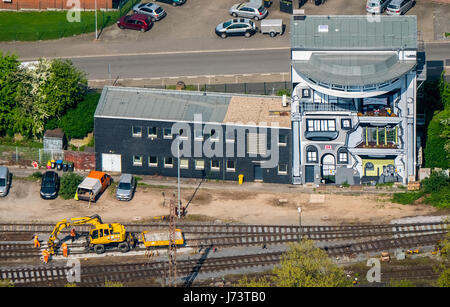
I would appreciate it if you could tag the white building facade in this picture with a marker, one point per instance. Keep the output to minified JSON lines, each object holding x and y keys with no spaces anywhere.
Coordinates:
{"x":353,"y":102}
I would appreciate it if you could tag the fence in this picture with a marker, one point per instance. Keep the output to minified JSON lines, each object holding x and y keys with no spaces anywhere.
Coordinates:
{"x":25,"y":156}
{"x":261,"y":88}
{"x":44,"y":25}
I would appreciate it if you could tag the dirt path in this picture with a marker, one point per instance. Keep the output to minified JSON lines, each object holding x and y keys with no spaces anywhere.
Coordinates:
{"x":23,"y":204}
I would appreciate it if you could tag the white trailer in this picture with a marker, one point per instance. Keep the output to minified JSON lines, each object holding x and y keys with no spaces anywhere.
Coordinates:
{"x":272,"y":26}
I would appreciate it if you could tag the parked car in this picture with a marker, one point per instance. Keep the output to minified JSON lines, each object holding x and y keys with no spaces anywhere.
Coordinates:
{"x":5,"y":180}
{"x":126,"y":187}
{"x":49,"y":185}
{"x":136,"y":22}
{"x":173,"y":2}
{"x":399,"y":7}
{"x":153,"y":10}
{"x":377,"y":6}
{"x":249,"y":10}
{"x":234,"y":27}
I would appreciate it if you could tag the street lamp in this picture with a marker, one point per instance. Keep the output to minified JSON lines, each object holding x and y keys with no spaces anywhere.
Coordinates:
{"x":299,"y":224}
{"x":179,"y":196}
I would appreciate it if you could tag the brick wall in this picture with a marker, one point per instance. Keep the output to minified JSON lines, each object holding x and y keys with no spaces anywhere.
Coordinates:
{"x":81,"y":160}
{"x":53,"y":4}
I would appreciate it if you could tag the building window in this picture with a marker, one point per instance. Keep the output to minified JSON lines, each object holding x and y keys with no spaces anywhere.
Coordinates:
{"x":199,"y":164}
{"x":256,"y":143}
{"x":346,"y":123}
{"x":282,"y":141}
{"x":167,"y":133}
{"x":168,"y":162}
{"x":184,"y":163}
{"x":282,"y":169}
{"x":229,"y":136}
{"x":321,"y":125}
{"x":152,"y":132}
{"x":306,"y":93}
{"x":137,"y":131}
{"x":152,"y":161}
{"x":230,"y":166}
{"x":311,"y":154}
{"x":215,"y":165}
{"x":137,"y":160}
{"x":342,"y":155}
{"x":198,"y":135}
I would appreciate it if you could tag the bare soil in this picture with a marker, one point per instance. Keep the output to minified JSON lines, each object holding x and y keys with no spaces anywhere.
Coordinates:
{"x":23,"y":204}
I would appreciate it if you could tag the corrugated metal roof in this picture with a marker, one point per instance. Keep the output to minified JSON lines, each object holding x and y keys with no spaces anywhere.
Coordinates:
{"x":353,"y":69}
{"x":161,"y":104}
{"x":364,"y":32}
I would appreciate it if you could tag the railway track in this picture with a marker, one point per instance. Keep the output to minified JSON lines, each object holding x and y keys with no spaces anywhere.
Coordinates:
{"x":251,"y":235}
{"x":97,"y":275}
{"x":208,"y":228}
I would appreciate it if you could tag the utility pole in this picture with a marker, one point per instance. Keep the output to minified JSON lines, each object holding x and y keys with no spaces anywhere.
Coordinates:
{"x":299,"y":224}
{"x":179,"y":195}
{"x":172,"y":246}
{"x":96,"y":36}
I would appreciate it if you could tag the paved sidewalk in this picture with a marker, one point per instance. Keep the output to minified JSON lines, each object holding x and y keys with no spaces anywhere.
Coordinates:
{"x":257,"y":187}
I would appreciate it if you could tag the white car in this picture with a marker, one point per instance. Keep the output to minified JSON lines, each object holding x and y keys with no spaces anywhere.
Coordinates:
{"x":249,"y":10}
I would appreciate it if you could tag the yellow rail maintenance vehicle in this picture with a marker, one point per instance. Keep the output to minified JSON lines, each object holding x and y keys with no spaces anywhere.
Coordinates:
{"x":101,"y":236}
{"x":160,"y":238}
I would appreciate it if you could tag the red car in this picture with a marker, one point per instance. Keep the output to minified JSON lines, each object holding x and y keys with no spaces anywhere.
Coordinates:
{"x":136,"y":22}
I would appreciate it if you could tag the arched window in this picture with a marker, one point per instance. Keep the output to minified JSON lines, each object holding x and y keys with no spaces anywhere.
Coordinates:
{"x":311,"y":154}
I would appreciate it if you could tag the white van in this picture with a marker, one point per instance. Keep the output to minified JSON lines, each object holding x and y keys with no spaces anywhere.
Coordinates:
{"x":376,"y":6}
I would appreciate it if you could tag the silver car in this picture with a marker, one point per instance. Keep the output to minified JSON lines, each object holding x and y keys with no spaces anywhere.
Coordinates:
{"x":376,"y":6}
{"x":5,"y":180}
{"x":154,"y":11}
{"x":399,"y":7}
{"x":249,"y":10}
{"x":126,"y":187}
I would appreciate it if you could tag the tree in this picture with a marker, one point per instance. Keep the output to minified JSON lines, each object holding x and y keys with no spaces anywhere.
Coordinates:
{"x":9,"y":66}
{"x":46,"y":91}
{"x":303,"y":265}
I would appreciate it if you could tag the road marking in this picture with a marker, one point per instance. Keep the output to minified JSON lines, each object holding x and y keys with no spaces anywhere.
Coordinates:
{"x":160,"y":53}
{"x":191,"y":77}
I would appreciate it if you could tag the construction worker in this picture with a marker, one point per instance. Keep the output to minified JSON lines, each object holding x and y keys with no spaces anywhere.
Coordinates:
{"x":45,"y":254}
{"x":65,"y":249}
{"x":73,"y":234}
{"x":36,"y":242}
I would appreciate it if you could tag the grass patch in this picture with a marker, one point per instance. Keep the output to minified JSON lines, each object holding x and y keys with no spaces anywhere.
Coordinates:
{"x":32,"y":26}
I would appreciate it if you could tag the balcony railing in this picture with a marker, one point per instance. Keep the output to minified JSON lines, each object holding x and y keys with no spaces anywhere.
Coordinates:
{"x":328,"y":107}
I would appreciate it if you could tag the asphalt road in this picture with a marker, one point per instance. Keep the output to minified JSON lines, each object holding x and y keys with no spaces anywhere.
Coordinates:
{"x":186,"y":64}
{"x":220,"y":62}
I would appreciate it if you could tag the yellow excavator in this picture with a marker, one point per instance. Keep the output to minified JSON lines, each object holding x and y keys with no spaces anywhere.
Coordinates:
{"x":101,"y":236}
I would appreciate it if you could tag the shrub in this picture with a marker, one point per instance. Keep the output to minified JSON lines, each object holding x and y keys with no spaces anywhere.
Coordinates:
{"x":407,"y":198}
{"x":435,"y":182}
{"x":69,"y":184}
{"x":78,"y":121}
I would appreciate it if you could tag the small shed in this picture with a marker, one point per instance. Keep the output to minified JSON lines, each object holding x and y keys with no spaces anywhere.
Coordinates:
{"x":54,"y":139}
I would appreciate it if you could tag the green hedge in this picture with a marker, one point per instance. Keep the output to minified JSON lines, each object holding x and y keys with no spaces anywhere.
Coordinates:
{"x":79,"y":121}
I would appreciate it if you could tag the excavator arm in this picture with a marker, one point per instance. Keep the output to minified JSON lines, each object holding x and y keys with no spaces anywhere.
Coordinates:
{"x":93,"y":220}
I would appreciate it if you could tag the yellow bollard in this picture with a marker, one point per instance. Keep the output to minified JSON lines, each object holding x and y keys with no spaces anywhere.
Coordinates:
{"x":241,"y":179}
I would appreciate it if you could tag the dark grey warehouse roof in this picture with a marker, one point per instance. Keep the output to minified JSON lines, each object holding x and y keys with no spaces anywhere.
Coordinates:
{"x":139,"y":103}
{"x":365,"y":32}
{"x":353,"y":69}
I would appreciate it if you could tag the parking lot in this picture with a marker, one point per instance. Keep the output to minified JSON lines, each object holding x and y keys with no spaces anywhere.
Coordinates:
{"x":191,"y":27}
{"x":192,"y":24}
